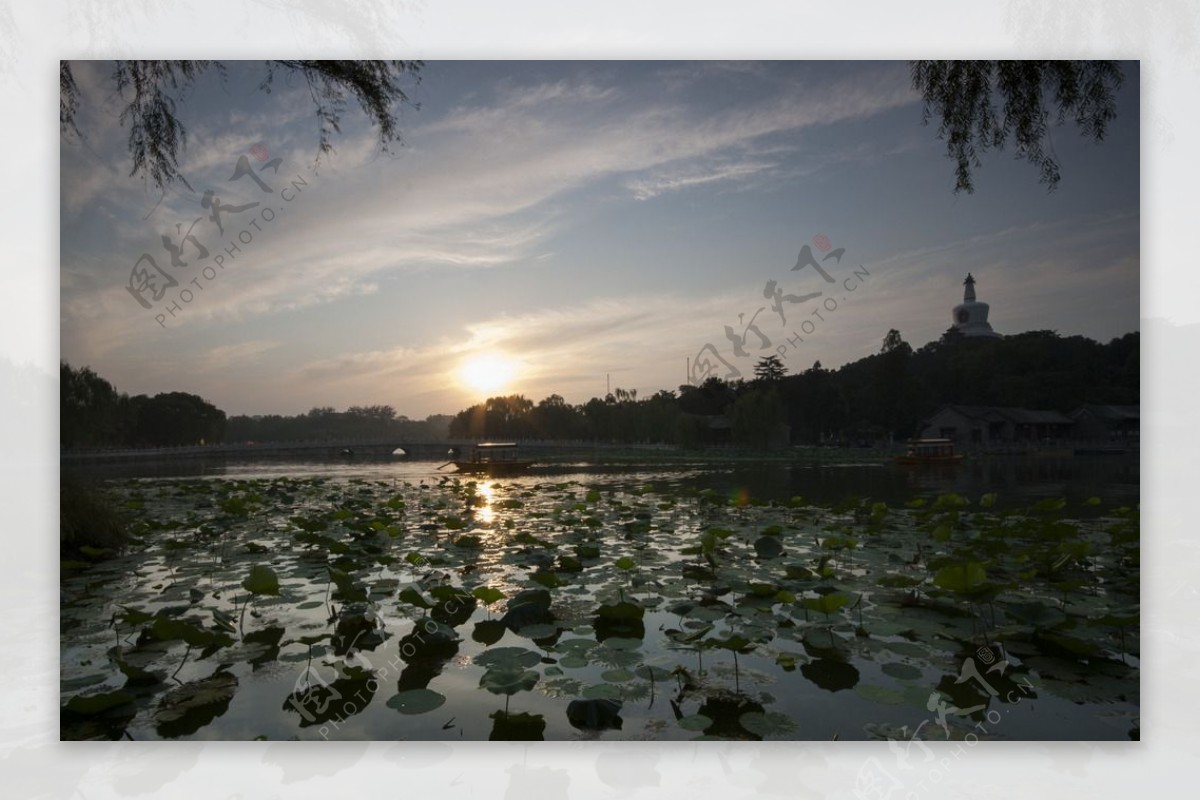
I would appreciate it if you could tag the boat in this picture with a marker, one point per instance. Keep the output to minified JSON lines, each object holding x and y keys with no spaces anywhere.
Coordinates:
{"x":929,"y":451}
{"x":493,"y":459}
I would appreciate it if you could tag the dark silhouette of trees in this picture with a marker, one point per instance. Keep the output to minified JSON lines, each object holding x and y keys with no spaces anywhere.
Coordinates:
{"x":769,"y":369}
{"x":175,"y":418}
{"x":756,"y":417}
{"x":324,"y":423}
{"x":881,"y":397}
{"x":962,"y":95}
{"x":152,"y":92}
{"x":89,"y":409}
{"x":713,"y":396}
{"x":94,"y":415}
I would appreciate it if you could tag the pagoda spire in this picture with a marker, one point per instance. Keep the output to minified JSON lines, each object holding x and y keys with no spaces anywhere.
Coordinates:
{"x":969,"y":292}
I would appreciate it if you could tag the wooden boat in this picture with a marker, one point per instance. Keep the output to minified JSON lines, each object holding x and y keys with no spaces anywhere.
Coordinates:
{"x":930,"y":451}
{"x":493,"y":459}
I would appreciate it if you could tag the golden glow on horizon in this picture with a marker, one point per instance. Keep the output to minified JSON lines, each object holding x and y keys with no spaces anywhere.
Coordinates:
{"x":488,"y":373}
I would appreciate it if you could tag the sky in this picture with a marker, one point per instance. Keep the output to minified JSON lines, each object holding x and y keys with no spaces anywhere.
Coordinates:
{"x":569,"y":227}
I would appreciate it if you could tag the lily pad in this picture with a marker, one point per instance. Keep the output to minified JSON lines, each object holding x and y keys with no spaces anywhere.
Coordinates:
{"x":187,"y":709}
{"x":595,"y":714}
{"x":767,"y":724}
{"x":694,"y":722}
{"x":508,"y":657}
{"x":965,"y":578}
{"x":899,"y":670}
{"x":610,"y":691}
{"x":416,"y":702}
{"x":507,"y":680}
{"x":488,"y":595}
{"x":98,"y":702}
{"x":261,"y":581}
{"x":880,"y":695}
{"x":517,"y":726}
{"x":768,"y":547}
{"x":652,"y":673}
{"x":488,"y":632}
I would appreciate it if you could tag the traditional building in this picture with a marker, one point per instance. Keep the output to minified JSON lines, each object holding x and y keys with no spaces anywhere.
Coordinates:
{"x":1097,"y":422}
{"x":971,"y":316}
{"x":992,"y":426}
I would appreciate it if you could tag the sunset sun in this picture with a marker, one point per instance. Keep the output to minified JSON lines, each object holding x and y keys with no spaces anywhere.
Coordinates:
{"x":487,"y":373}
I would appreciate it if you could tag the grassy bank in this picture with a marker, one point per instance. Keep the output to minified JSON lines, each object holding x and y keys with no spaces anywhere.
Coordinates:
{"x":91,"y":526}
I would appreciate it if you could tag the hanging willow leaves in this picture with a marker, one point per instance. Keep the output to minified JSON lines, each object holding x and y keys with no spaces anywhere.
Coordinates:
{"x":1035,"y":94}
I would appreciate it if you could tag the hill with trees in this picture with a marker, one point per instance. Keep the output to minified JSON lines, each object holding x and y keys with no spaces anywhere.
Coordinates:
{"x":882,"y":396}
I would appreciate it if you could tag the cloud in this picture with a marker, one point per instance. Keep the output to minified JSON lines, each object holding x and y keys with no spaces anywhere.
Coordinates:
{"x":694,"y":175}
{"x":242,"y":353}
{"x":566,"y":351}
{"x":479,"y":188}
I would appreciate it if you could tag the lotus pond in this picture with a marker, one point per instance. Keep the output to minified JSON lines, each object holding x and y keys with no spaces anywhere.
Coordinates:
{"x":292,"y":607}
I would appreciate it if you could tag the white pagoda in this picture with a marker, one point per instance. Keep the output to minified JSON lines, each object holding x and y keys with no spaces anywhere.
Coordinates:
{"x":971,"y":316}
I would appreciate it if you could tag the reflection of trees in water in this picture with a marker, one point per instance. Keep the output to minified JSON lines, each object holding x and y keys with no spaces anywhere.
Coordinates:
{"x":1018,"y":480}
{"x":1026,"y":479}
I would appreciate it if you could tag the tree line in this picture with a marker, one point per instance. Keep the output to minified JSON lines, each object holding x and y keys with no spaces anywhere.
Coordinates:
{"x":93,"y":414}
{"x":881,"y":397}
{"x":326,"y":423}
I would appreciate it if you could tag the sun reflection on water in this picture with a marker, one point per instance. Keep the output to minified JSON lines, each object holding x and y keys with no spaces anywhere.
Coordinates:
{"x":485,"y":496}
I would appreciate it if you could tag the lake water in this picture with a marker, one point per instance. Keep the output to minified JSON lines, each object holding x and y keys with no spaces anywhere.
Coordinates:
{"x":1015,"y":480}
{"x":663,"y":601}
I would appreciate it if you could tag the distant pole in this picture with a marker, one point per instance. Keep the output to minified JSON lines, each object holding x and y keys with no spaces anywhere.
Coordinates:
{"x":607,"y":385}
{"x":687,"y":377}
